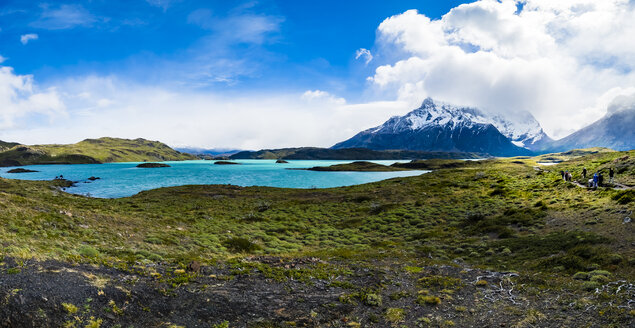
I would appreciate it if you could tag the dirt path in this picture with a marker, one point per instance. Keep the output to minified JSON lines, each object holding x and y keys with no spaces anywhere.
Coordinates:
{"x":617,"y":186}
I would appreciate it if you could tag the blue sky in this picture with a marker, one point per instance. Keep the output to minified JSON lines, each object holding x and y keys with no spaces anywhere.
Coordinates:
{"x":270,"y":74}
{"x":260,"y":44}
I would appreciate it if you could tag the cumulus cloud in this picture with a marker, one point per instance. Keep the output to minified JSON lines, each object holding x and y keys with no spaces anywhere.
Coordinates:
{"x":365,"y":54}
{"x":25,"y":38}
{"x":20,"y":98}
{"x":564,"y":61}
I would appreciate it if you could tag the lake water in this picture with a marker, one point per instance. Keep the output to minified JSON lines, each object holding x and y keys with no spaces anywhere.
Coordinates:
{"x":125,"y":179}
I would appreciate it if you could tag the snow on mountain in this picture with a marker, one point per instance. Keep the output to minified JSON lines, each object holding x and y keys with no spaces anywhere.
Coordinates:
{"x":521,"y":128}
{"x":443,"y":127}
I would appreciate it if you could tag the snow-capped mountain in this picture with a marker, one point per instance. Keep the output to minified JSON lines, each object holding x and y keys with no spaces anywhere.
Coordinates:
{"x":437,"y":126}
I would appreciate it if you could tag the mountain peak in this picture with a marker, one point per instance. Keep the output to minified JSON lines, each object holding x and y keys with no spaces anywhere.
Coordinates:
{"x":428,"y":102}
{"x":442,"y":126}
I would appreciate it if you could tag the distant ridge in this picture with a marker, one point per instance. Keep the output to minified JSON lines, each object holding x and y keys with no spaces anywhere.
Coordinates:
{"x":616,"y":130}
{"x":314,"y":153}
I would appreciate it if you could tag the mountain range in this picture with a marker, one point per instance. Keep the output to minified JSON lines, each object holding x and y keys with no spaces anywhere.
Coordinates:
{"x":438,"y":126}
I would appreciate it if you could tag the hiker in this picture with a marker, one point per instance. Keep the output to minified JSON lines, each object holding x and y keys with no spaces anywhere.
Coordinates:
{"x":595,"y":180}
{"x":600,"y":179}
{"x":584,"y":173}
{"x":569,"y":176}
{"x":562,"y":174}
{"x":611,"y":174}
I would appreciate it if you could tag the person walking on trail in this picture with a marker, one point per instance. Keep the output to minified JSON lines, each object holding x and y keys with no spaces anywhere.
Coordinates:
{"x":562,"y":174}
{"x":611,"y":175}
{"x":584,"y":173}
{"x":595,"y":180}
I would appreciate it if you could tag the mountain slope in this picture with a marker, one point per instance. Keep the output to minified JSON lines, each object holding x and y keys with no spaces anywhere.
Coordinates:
{"x":88,"y":151}
{"x":442,"y":127}
{"x":616,"y":130}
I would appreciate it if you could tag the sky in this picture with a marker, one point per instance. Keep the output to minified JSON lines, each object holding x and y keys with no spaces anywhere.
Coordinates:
{"x":272,"y":74}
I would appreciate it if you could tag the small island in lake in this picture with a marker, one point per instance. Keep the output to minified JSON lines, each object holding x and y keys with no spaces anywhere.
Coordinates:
{"x":360,"y":166}
{"x":226,"y":163}
{"x":152,"y":165}
{"x":21,"y":170}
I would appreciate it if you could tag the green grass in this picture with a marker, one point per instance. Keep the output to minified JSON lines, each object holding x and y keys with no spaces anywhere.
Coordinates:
{"x":498,"y":214}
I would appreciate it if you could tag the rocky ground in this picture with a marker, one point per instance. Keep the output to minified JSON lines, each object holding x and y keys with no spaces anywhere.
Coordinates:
{"x":306,"y":292}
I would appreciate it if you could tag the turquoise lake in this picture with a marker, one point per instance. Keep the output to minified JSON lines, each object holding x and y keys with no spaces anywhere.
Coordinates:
{"x":125,"y":179}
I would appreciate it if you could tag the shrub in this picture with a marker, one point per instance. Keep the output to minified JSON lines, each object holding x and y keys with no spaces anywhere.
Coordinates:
{"x":428,"y":300}
{"x":624,"y":197}
{"x":70,"y":308}
{"x":599,"y":273}
{"x":600,"y":279}
{"x":88,"y":251}
{"x":590,"y":285}
{"x":581,"y":276}
{"x":371,"y":299}
{"x":240,"y":245}
{"x":395,"y":315}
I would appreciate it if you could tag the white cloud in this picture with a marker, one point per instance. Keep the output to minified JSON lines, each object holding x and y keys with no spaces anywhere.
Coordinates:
{"x":237,"y":28}
{"x":365,"y":53}
{"x":64,"y":17}
{"x":319,"y":96}
{"x":564,"y":61}
{"x":20,"y":99}
{"x":107,"y":106}
{"x":25,"y":38}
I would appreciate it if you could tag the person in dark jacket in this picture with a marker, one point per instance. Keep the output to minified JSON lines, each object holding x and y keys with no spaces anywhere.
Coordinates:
{"x":600,"y":179}
{"x":584,"y":173}
{"x":611,"y":175}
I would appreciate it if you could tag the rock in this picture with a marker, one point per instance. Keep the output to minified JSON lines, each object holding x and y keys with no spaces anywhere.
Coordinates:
{"x":225,"y":163}
{"x":21,"y":170}
{"x":152,"y":165}
{"x":94,"y":178}
{"x":194,"y":266}
{"x":281,"y":161}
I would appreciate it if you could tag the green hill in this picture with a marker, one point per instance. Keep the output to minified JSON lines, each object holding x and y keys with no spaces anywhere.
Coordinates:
{"x":102,"y":150}
{"x":7,"y":145}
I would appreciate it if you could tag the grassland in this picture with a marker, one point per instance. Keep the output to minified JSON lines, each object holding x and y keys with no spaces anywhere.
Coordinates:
{"x":503,"y":237}
{"x":89,"y":151}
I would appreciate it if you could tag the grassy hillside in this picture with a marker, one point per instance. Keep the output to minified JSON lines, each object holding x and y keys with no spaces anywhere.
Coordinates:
{"x":502,"y":238}
{"x":7,"y":145}
{"x":312,"y":153}
{"x":100,"y":150}
{"x":571,"y":154}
